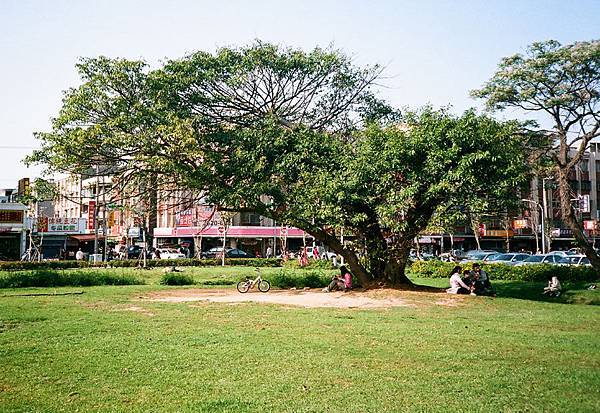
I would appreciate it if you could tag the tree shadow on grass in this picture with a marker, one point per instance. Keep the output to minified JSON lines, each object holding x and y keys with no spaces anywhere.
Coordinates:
{"x":572,"y":292}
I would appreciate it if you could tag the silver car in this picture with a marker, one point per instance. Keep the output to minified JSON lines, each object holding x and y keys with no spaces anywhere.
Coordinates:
{"x":509,"y":259}
{"x":481,"y":256}
{"x":540,"y":259}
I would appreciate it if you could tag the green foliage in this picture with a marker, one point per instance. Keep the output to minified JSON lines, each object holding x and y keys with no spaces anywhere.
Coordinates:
{"x":174,"y":278}
{"x":26,"y":265}
{"x":439,"y":269}
{"x":295,"y":136}
{"x":187,"y":262}
{"x":58,"y":278}
{"x":285,"y":278}
{"x":562,"y":83}
{"x":312,"y":264}
{"x":549,"y":76}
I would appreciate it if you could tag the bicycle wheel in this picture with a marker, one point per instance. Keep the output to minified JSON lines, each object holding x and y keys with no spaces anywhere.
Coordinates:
{"x":243,"y":286}
{"x":264,"y":286}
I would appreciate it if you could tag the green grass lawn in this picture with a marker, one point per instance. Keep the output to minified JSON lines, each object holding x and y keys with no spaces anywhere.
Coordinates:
{"x":107,"y":351}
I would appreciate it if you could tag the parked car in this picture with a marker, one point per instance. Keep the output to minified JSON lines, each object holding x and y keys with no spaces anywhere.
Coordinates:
{"x":574,"y":260}
{"x":310,"y":252}
{"x":470,"y":253}
{"x":134,"y":251}
{"x":217,"y":252}
{"x":562,"y":253}
{"x":481,"y":256}
{"x":509,"y":259}
{"x":170,"y":254}
{"x":540,"y":259}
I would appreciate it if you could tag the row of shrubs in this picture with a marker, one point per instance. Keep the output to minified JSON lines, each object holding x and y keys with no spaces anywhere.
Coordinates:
{"x":284,"y":278}
{"x":543,"y":272}
{"x":193,"y":262}
{"x":58,"y":278}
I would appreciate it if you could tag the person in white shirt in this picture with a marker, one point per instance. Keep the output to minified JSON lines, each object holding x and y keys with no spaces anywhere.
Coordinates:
{"x":79,"y":255}
{"x":457,"y":285}
{"x":553,"y":288}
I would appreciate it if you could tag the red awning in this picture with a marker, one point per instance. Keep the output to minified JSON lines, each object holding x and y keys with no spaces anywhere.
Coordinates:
{"x":85,"y":237}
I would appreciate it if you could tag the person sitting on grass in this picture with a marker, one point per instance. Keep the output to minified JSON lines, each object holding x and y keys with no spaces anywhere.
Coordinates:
{"x":457,"y":285}
{"x":347,"y":278}
{"x":342,"y":282}
{"x":481,"y":282}
{"x":554,"y":288}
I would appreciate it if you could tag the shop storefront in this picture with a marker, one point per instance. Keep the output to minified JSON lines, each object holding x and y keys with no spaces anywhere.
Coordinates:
{"x":12,"y":231}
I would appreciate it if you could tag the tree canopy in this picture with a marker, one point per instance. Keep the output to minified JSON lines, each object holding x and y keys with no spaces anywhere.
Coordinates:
{"x":297,"y":136}
{"x":562,"y":82}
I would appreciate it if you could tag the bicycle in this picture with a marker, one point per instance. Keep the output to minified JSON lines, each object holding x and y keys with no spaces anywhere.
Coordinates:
{"x":245,"y":285}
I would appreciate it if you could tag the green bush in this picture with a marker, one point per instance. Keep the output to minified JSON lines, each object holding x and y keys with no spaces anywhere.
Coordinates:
{"x":287,"y":278}
{"x":58,"y":278}
{"x":44,"y":265}
{"x":439,"y":269}
{"x":48,"y":265}
{"x":174,"y":278}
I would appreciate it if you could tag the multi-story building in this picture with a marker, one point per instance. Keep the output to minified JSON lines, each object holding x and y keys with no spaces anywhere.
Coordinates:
{"x":13,"y":228}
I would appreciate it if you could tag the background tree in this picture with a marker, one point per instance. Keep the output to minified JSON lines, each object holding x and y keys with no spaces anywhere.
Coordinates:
{"x":109,"y":126}
{"x":563,"y":83}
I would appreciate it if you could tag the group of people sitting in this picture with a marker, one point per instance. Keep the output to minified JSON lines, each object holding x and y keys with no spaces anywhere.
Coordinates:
{"x":474,"y":282}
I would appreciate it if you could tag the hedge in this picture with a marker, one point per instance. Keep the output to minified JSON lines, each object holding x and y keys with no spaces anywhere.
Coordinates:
{"x":288,"y":278}
{"x":312,"y":264}
{"x":173,"y":278}
{"x":540,"y":272}
{"x":54,"y":278}
{"x":56,"y":265}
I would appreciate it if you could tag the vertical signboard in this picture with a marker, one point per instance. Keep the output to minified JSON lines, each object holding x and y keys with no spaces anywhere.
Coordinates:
{"x":92,"y":215}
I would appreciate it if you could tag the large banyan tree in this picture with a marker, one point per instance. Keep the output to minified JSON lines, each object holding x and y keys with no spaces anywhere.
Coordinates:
{"x":296,"y":136}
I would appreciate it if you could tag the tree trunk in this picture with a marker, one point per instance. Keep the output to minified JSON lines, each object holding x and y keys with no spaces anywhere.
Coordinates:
{"x":396,"y":263}
{"x":569,"y":218}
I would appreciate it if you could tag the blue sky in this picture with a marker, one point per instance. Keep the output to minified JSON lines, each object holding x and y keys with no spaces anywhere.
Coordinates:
{"x":434,"y":51}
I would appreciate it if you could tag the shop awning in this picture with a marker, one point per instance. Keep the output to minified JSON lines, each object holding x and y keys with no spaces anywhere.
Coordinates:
{"x":85,"y":237}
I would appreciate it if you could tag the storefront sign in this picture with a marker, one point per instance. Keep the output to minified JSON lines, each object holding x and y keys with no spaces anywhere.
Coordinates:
{"x":134,"y":232}
{"x":186,"y":218}
{"x":589,"y":225}
{"x":8,"y":216}
{"x":91,"y":215}
{"x":519,"y":223}
{"x":561,"y":233}
{"x":499,"y":233}
{"x":58,"y":225}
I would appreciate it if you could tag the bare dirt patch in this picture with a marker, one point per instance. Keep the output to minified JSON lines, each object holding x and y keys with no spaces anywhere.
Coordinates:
{"x":380,"y":298}
{"x":137,"y":309}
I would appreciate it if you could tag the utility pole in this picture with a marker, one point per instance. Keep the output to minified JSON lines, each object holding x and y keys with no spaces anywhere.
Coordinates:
{"x":544,"y":213}
{"x":543,"y":226}
{"x":96,"y":214}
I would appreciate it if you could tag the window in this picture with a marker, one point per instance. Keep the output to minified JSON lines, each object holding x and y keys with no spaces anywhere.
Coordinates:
{"x":584,"y":165}
{"x":248,"y":218}
{"x":586,"y":186}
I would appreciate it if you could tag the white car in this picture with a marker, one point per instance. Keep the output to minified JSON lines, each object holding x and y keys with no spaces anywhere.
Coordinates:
{"x":574,"y":260}
{"x":310,"y":252}
{"x":169,"y":254}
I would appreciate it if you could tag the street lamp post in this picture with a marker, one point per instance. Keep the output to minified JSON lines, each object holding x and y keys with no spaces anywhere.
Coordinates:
{"x":543,"y":222}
